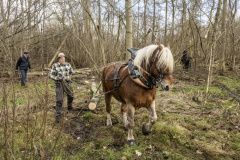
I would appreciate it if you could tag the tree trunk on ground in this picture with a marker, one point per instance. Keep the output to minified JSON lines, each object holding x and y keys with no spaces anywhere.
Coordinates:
{"x":93,"y":103}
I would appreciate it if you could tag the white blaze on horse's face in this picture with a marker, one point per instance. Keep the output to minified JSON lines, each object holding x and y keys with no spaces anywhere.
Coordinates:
{"x":167,"y":82}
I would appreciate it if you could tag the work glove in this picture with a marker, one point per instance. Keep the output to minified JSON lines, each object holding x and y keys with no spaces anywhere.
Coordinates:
{"x":30,"y":70}
{"x":16,"y":70}
{"x":73,"y":73}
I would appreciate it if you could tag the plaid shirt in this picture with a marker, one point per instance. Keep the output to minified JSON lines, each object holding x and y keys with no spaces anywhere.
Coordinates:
{"x":58,"y":71}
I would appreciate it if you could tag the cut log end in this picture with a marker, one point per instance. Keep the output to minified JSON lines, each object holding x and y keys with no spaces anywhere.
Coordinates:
{"x":92,"y":105}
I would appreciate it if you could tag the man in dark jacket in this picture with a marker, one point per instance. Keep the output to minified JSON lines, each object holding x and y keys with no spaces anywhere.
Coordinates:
{"x":23,"y":63}
{"x":186,"y":60}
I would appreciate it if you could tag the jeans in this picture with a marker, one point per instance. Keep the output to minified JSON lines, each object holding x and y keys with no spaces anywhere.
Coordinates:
{"x":24,"y":75}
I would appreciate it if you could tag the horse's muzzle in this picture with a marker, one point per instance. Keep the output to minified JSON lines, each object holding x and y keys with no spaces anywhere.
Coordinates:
{"x":167,"y":88}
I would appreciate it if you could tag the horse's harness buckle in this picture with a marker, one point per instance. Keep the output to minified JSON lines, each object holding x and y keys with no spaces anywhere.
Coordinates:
{"x":135,"y":73}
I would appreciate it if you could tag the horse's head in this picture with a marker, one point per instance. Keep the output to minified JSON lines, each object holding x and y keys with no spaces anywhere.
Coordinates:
{"x":157,"y":61}
{"x":161,"y":66}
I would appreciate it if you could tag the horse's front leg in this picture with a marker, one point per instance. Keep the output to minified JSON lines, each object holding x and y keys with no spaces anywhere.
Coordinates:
{"x":130,"y":113}
{"x":124,"y":116}
{"x":146,"y":129}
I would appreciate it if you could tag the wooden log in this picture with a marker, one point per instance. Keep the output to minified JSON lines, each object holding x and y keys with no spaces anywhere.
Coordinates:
{"x":4,"y":74}
{"x":37,"y":74}
{"x":93,"y":103}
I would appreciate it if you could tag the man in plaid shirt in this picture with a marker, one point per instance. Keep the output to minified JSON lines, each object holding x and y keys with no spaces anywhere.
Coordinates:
{"x":60,"y":73}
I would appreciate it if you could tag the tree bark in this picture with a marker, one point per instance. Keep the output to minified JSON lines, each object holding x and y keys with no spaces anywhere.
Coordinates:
{"x":145,"y":23}
{"x":213,"y":46}
{"x":128,"y":8}
{"x":173,"y":21}
{"x":222,"y":67}
{"x":154,"y":17}
{"x":166,"y":17}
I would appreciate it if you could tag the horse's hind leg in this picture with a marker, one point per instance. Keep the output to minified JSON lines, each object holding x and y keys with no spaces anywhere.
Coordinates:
{"x":108,"y":109}
{"x":124,"y":114}
{"x":146,"y":129}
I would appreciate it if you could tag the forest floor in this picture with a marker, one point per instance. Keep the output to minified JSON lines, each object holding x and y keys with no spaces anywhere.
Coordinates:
{"x":188,"y":126}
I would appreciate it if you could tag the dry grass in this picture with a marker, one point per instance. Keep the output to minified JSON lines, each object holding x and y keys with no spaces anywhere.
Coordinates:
{"x":186,"y":128}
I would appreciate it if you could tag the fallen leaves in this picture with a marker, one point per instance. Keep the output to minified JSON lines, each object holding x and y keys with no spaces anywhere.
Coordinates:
{"x":138,"y":153}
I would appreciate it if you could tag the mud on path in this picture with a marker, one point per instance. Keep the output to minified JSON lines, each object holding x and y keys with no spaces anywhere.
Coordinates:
{"x":183,"y":106}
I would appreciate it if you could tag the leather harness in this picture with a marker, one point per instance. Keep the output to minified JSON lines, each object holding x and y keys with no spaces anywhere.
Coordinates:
{"x":136,"y":76}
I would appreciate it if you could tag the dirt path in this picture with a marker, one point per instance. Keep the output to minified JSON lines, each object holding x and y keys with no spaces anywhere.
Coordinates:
{"x":207,"y":126}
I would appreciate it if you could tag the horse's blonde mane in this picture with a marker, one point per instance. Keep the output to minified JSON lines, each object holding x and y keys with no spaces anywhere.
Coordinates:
{"x":165,"y":58}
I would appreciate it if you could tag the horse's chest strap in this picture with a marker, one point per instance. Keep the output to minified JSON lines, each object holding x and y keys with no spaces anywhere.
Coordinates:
{"x":137,"y":78}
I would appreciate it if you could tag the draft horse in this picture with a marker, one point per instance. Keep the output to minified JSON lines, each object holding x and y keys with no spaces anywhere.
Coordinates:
{"x":155,"y":65}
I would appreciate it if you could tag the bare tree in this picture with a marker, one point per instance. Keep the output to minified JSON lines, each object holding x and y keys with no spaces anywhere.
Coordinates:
{"x":166,"y":22}
{"x":154,"y":18}
{"x":222,"y":67}
{"x":213,"y":46}
{"x":128,"y":8}
{"x":173,"y":21}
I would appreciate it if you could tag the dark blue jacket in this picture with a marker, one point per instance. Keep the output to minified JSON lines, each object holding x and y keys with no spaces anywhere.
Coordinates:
{"x":23,"y":63}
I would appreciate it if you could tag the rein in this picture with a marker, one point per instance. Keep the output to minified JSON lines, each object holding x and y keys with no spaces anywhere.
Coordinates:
{"x":160,"y":76}
{"x":138,"y":78}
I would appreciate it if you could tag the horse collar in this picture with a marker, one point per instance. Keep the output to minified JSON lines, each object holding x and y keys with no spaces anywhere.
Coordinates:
{"x":140,"y":80}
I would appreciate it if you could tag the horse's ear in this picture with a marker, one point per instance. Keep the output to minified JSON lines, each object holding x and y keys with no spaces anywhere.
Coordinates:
{"x":168,"y":45}
{"x":160,"y":47}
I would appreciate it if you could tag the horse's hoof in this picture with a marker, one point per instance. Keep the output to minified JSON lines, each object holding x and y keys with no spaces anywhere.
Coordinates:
{"x":132,"y":142}
{"x":145,"y":132}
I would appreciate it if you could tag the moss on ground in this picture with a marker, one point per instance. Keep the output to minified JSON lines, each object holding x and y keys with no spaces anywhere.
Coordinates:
{"x":186,"y":127}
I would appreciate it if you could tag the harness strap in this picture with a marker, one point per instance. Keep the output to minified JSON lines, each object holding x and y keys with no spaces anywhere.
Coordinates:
{"x":116,"y":78}
{"x":140,"y":80}
{"x":119,"y":85}
{"x":109,"y":79}
{"x":166,"y":74}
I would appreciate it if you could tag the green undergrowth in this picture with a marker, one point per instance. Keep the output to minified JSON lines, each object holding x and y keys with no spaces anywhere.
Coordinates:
{"x":187,"y":126}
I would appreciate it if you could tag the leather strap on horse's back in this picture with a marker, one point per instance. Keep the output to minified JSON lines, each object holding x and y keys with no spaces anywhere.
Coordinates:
{"x":116,"y":78}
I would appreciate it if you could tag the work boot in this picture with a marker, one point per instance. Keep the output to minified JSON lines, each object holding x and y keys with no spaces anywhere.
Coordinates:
{"x":72,"y":109}
{"x":22,"y":84}
{"x":58,"y":118}
{"x":25,"y":85}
